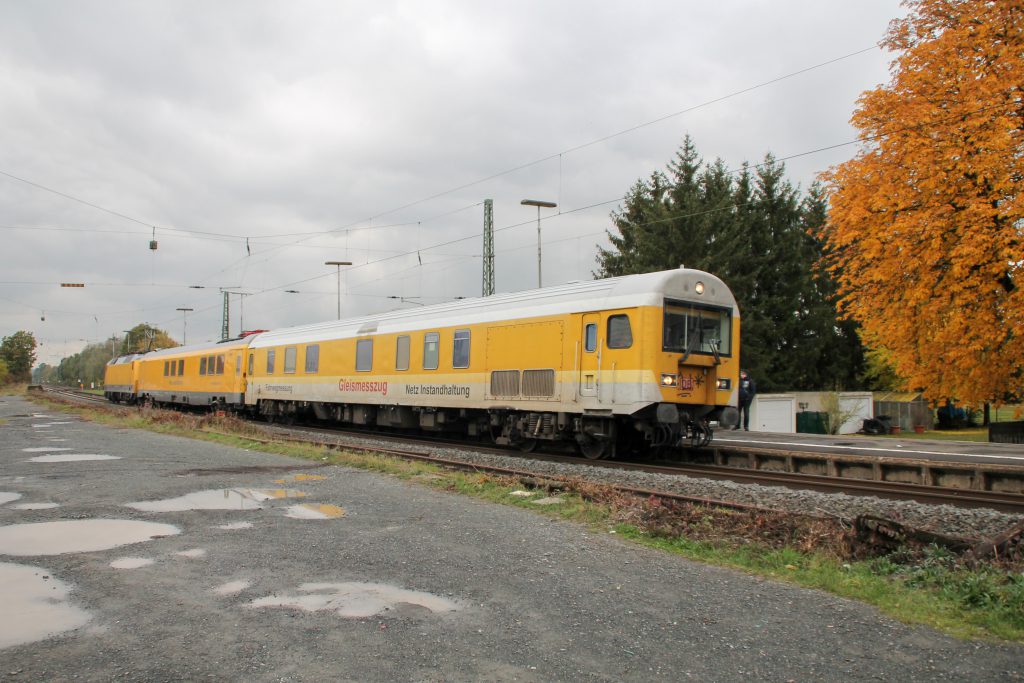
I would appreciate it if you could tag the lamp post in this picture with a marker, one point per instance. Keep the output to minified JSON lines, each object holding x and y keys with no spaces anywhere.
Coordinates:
{"x":338,"y":265}
{"x":184,"y":324}
{"x":547,"y":205}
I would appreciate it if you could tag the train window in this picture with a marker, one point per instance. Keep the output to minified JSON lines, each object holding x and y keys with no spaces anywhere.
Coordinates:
{"x":270,"y":362}
{"x":460,"y":349}
{"x":181,"y":366}
{"x":252,"y":362}
{"x":590,"y":337}
{"x":313,"y":358}
{"x":202,"y":365}
{"x":620,"y":335}
{"x":430,"y":346}
{"x":167,"y":370}
{"x":402,"y":353}
{"x":238,"y":365}
{"x":364,"y":355}
{"x":220,"y":364}
{"x":696,"y":329}
{"x":289,"y":359}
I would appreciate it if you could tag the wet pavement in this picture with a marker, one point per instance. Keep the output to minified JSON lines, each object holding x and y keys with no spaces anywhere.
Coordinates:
{"x":173,"y":559}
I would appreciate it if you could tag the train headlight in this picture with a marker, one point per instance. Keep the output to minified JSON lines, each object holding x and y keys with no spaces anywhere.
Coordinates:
{"x":724,"y":384}
{"x":699,"y":288}
{"x":668,"y":380}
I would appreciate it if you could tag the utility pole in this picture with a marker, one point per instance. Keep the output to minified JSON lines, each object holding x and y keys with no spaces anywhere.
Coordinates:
{"x":184,"y":324}
{"x":488,"y":288}
{"x":225,"y":320}
{"x":338,"y":265}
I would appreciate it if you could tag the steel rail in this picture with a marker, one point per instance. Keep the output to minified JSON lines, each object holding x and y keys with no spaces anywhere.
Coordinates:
{"x":932,"y":495}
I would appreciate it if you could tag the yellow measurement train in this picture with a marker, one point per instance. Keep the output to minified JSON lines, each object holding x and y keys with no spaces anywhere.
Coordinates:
{"x":614,"y":366}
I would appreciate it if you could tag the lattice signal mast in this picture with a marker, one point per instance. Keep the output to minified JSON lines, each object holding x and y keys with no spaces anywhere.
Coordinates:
{"x":488,"y":288}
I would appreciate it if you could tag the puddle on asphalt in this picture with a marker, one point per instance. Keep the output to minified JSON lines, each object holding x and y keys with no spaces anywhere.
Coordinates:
{"x":216,"y":499}
{"x":78,"y":535}
{"x":232,"y":587}
{"x":45,"y":449}
{"x":73,"y":457}
{"x":234,"y":526}
{"x":131,"y":562}
{"x":355,"y":599}
{"x":315,"y":511}
{"x":300,"y":477}
{"x":35,"y":506}
{"x":7,"y":497}
{"x":192,"y":553}
{"x":39,"y":603}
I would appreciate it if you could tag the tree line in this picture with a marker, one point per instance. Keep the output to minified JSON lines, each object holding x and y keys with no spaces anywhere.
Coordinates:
{"x":87,"y":367}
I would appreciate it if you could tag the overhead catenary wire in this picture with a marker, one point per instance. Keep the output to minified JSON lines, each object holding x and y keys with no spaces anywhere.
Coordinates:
{"x":354,"y":226}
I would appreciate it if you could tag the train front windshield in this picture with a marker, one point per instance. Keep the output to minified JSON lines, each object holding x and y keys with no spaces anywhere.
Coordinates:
{"x":690,"y":328}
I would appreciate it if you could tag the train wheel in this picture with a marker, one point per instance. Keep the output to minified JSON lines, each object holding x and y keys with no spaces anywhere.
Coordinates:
{"x":527,"y":445}
{"x":593,"y":449}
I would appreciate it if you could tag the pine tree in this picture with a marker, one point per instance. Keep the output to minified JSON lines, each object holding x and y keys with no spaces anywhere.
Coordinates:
{"x":750,"y":229}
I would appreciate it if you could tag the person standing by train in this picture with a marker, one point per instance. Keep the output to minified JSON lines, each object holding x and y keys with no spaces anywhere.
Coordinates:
{"x":747,"y":391}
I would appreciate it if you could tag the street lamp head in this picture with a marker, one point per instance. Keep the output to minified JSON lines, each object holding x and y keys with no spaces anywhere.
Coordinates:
{"x":337,"y":263}
{"x":538,"y":203}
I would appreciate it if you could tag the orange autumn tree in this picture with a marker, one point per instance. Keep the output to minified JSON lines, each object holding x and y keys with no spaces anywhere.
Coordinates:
{"x":926,"y":223}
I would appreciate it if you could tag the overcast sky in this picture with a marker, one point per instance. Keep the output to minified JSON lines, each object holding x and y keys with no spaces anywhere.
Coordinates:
{"x":372,"y":132}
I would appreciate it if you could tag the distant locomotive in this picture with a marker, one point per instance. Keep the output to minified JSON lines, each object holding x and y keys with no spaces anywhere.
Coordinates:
{"x":613,"y":365}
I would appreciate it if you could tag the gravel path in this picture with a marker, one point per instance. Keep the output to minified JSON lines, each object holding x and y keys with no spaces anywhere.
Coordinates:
{"x":410,"y":584}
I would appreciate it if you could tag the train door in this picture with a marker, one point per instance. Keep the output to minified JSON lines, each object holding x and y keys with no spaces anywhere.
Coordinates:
{"x":590,"y":356}
{"x":250,"y":399}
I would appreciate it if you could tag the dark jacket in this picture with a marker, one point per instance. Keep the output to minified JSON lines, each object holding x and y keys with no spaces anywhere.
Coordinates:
{"x":747,"y":389}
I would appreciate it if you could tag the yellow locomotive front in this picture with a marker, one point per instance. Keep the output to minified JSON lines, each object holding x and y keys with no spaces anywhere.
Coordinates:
{"x":699,"y":366}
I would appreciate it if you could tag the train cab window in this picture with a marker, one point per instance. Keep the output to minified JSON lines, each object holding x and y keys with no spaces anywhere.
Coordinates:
{"x":202,"y":365}
{"x":590,"y":338}
{"x":696,"y":329}
{"x":460,"y":349}
{"x":270,"y":362}
{"x":289,"y":360}
{"x":620,"y":335}
{"x":313,"y":358}
{"x":364,"y":355}
{"x":220,"y":364}
{"x":174,"y":368}
{"x":431,"y":341}
{"x":402,"y":353}
{"x":167,"y":370}
{"x":252,"y":362}
{"x":181,"y":367}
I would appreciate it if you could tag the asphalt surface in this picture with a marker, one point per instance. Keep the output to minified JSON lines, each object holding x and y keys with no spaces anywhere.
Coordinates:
{"x":409,"y":584}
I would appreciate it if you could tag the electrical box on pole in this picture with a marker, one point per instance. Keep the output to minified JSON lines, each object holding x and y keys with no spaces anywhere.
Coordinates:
{"x":488,"y":288}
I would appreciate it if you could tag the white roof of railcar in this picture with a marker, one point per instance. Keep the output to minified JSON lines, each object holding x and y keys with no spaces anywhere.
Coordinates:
{"x":194,"y":348}
{"x":649,"y":289}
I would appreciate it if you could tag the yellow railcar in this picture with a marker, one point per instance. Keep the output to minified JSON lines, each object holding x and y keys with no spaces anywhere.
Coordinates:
{"x":121,"y":379}
{"x":613,"y":365}
{"x":199,"y":375}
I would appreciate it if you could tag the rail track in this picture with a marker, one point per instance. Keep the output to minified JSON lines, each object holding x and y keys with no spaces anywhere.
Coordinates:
{"x":1003,"y":501}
